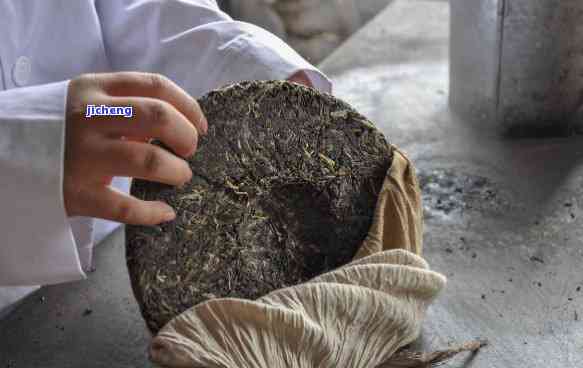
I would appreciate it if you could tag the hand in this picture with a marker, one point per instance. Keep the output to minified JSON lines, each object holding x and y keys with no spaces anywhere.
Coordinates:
{"x":301,"y":78}
{"x":100,"y":147}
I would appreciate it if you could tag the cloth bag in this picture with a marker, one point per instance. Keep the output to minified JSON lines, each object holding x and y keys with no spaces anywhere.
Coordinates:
{"x":356,"y":316}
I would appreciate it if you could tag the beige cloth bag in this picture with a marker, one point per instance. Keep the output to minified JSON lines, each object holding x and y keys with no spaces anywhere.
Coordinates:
{"x":356,"y":316}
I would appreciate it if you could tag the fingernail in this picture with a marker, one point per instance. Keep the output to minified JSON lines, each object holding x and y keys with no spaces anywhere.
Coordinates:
{"x":205,"y":125}
{"x":169,"y":216}
{"x":194,"y":148}
{"x":187,"y":180}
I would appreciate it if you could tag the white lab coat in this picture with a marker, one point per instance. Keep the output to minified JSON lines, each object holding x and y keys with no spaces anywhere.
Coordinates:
{"x":43,"y":44}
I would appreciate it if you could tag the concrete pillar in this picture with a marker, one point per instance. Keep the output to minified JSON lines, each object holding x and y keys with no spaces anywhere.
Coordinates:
{"x":517,"y":65}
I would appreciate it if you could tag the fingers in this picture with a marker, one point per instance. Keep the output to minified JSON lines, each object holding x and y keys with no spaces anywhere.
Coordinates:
{"x":152,"y":119}
{"x":301,"y":78}
{"x":140,"y":160}
{"x":102,"y":147}
{"x":110,"y":204}
{"x":155,"y":86}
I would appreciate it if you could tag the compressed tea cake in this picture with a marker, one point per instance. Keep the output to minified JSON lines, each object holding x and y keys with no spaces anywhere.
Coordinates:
{"x":284,"y":189}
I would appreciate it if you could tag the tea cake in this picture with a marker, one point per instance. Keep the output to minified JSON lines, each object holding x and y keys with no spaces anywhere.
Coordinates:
{"x":284,"y":189}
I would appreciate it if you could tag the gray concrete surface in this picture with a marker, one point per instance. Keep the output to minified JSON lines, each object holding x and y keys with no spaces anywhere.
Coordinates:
{"x":503,"y":222}
{"x":503,"y":217}
{"x":93,"y":323}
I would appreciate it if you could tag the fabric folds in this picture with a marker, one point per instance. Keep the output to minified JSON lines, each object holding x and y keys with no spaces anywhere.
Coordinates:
{"x":358,"y":315}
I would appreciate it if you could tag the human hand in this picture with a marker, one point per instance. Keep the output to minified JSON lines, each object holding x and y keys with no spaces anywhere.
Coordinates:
{"x":302,"y":78}
{"x":100,"y":147}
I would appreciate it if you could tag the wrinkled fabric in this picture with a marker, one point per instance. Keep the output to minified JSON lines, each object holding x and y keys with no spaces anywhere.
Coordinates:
{"x":358,"y":315}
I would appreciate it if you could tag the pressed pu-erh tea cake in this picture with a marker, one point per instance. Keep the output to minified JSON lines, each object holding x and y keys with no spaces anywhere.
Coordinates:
{"x":284,"y":189}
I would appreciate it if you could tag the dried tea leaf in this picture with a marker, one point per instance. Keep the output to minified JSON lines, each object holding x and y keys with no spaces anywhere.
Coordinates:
{"x":284,"y":189}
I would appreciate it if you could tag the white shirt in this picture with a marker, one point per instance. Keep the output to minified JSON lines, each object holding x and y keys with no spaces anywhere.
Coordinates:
{"x":44,"y":44}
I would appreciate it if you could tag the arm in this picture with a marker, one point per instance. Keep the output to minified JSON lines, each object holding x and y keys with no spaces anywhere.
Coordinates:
{"x":196,"y":45}
{"x":57,"y":162}
{"x":37,"y":243}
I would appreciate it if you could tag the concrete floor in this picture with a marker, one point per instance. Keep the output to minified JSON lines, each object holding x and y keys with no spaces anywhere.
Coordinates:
{"x":503,"y":222}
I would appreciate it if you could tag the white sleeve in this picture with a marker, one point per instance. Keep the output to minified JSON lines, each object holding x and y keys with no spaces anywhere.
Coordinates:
{"x":195,"y":44}
{"x":37,"y":245}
